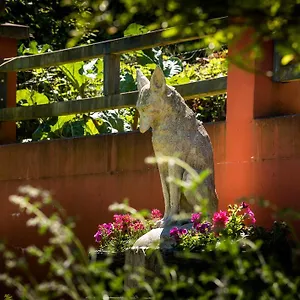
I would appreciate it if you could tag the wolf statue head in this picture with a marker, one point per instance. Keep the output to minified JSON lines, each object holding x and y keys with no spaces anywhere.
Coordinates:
{"x":152,"y":95}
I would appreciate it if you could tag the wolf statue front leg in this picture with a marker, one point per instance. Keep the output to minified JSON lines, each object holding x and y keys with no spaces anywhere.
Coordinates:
{"x":175,"y":172}
{"x":163,"y":173}
{"x":171,"y":193}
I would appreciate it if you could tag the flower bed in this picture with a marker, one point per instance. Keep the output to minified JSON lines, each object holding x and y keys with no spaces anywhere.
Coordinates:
{"x":120,"y":235}
{"x":237,"y":226}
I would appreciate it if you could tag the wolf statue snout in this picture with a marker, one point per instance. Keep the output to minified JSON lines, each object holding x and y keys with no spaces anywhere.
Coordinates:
{"x":175,"y":131}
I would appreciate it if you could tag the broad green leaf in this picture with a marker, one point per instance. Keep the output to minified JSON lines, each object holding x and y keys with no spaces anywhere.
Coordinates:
{"x":61,"y":120}
{"x":90,"y":127}
{"x":73,"y":72}
{"x":26,"y":97}
{"x":73,"y":128}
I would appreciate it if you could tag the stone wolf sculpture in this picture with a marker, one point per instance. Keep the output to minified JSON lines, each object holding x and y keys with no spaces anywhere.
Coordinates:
{"x":175,"y":132}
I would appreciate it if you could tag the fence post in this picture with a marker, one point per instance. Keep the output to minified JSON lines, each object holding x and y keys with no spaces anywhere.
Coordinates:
{"x":111,"y":74}
{"x":9,"y":35}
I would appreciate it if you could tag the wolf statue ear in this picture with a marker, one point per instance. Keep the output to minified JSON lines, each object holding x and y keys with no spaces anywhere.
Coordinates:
{"x":141,"y":79}
{"x":158,"y":81}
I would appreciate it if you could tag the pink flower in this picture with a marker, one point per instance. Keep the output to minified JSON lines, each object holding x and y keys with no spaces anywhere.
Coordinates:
{"x":156,"y":214}
{"x":220,"y":219}
{"x":249,"y":214}
{"x":195,"y":219}
{"x":137,"y":226}
{"x":121,"y":222}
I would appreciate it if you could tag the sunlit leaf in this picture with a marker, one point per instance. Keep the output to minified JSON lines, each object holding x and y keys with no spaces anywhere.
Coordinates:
{"x":135,"y":29}
{"x":287,"y":59}
{"x":26,"y":97}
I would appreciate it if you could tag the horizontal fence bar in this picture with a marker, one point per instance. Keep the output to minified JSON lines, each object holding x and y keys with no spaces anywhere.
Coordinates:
{"x":190,"y":90}
{"x":116,"y":46}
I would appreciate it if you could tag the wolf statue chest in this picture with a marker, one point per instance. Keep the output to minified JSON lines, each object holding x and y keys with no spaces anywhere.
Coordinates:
{"x":169,"y":142}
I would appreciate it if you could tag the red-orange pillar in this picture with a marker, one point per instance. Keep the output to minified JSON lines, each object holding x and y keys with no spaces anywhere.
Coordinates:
{"x":9,"y":34}
{"x":249,"y":95}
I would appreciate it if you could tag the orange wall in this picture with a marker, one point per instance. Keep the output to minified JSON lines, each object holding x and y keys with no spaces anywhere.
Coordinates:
{"x":85,"y":175}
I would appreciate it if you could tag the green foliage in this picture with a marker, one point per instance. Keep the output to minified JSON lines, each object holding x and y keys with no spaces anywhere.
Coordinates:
{"x":223,"y":271}
{"x":228,"y":267}
{"x":47,"y":20}
{"x":66,"y":83}
{"x":85,"y":79}
{"x":272,"y":20}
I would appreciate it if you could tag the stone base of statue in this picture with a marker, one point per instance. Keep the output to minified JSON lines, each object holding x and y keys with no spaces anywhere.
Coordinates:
{"x":159,"y":237}
{"x":150,"y":251}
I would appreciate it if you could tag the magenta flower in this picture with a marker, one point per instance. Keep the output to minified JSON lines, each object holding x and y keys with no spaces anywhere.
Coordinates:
{"x":204,"y":227}
{"x":249,"y":214}
{"x":195,"y":219}
{"x":220,"y":219}
{"x":183,"y":231}
{"x":107,"y":228}
{"x":98,"y":236}
{"x":244,"y":205}
{"x":156,"y":214}
{"x":174,"y":231}
{"x":177,"y":233}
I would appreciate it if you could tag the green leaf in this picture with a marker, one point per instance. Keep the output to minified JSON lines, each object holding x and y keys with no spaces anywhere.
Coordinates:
{"x":127,"y":82}
{"x":287,"y":59}
{"x":61,"y":120}
{"x":135,"y":29}
{"x":99,"y":66}
{"x":170,"y":32}
{"x":26,"y":97}
{"x":143,"y":59}
{"x":33,"y":48}
{"x":90,"y":128}
{"x":73,"y":128}
{"x":73,"y":72}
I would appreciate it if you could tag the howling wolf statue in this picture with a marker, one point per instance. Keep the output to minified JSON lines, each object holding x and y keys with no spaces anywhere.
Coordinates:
{"x":175,"y":132}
